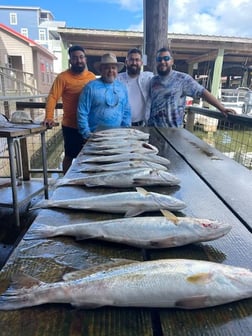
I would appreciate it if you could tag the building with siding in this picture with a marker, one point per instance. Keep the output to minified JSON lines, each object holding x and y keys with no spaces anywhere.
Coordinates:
{"x":36,"y":24}
{"x":198,"y":55}
{"x":25,"y":65}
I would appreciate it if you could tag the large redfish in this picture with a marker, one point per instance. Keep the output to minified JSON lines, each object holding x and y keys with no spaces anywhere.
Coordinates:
{"x":179,"y":283}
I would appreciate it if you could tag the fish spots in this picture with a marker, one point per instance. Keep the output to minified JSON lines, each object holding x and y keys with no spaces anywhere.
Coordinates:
{"x":199,"y":278}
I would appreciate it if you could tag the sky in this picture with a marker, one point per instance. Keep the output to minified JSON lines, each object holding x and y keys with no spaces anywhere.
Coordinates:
{"x":205,"y":17}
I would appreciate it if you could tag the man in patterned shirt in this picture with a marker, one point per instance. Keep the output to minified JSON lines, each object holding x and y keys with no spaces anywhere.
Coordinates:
{"x":168,"y":92}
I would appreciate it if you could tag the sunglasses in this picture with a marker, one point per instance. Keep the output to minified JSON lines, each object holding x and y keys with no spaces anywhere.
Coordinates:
{"x":165,"y":58}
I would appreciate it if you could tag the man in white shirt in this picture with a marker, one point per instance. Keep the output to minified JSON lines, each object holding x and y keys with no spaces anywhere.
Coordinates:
{"x":138,"y":84}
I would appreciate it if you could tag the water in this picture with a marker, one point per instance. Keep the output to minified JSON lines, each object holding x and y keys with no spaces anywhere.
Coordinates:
{"x":55,"y":154}
{"x":234,"y":143}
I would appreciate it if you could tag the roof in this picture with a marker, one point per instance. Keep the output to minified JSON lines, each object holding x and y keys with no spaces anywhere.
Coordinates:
{"x":185,"y":47}
{"x":25,"y":39}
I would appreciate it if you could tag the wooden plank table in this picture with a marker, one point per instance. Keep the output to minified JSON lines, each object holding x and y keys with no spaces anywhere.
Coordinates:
{"x":49,"y":259}
{"x":224,"y":176}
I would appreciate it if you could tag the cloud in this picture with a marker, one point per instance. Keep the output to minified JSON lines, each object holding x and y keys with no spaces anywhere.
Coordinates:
{"x":225,"y":17}
{"x":213,"y":17}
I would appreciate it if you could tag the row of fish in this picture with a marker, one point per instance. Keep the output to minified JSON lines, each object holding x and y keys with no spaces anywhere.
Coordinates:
{"x":157,"y":232}
{"x":129,"y":161}
{"x":180,"y":283}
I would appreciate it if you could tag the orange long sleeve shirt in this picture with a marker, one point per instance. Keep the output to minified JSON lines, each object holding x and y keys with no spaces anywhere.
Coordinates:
{"x":67,"y":86}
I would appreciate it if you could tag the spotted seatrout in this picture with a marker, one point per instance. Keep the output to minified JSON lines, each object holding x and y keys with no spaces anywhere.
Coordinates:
{"x":144,"y":232}
{"x":131,"y":203}
{"x":129,"y":178}
{"x":127,"y":157}
{"x":119,"y":166}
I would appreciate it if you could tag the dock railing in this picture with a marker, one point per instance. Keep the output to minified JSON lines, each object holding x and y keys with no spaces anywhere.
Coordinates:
{"x":35,"y":107}
{"x":231,"y":135}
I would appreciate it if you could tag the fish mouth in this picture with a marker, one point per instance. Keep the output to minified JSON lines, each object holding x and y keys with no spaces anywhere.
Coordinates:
{"x":216,"y":229}
{"x":168,"y":178}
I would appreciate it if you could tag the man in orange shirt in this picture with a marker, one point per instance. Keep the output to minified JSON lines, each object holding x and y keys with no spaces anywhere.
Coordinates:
{"x":68,"y":85}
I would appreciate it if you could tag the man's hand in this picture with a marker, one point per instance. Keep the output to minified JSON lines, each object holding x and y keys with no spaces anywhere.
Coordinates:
{"x":49,"y":123}
{"x":227,"y":111}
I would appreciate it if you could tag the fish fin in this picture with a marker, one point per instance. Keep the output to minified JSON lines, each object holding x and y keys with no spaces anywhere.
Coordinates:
{"x":116,"y":262}
{"x":142,"y":191}
{"x":163,"y":243}
{"x":192,"y":302}
{"x":200,"y":278}
{"x":122,"y":261}
{"x":87,"y":236}
{"x":90,"y":184}
{"x":76,"y":275}
{"x":169,"y":215}
{"x":61,"y":182}
{"x":86,"y":305}
{"x":22,"y":280}
{"x":39,"y":205}
{"x":132,"y":212}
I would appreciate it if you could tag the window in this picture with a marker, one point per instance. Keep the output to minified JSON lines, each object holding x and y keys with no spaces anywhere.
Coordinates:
{"x":13,"y":18}
{"x":42,"y":70}
{"x":42,"y":35}
{"x":24,"y":31}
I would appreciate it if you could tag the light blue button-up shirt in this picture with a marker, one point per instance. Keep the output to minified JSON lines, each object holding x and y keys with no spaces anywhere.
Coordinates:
{"x":103,"y":105}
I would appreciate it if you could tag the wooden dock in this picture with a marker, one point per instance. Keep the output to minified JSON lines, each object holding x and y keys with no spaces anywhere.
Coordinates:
{"x":209,"y":183}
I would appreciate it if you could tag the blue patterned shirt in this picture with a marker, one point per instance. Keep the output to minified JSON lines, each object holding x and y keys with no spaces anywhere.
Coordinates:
{"x":103,"y":105}
{"x":168,"y":98}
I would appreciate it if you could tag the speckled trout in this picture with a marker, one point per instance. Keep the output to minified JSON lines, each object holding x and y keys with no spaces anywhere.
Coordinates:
{"x":127,"y":157}
{"x":143,"y":232}
{"x":139,"y":177}
{"x":130,"y":203}
{"x":179,"y":283}
{"x":109,"y":144}
{"x":119,"y":166}
{"x":142,"y":148}
{"x":119,"y":133}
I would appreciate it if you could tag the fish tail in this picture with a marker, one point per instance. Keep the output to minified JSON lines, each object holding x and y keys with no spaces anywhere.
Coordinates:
{"x":40,"y":231}
{"x":12,"y":300}
{"x":21,"y":293}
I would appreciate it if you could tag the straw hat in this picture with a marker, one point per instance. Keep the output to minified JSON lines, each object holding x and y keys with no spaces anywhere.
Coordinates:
{"x":108,"y":59}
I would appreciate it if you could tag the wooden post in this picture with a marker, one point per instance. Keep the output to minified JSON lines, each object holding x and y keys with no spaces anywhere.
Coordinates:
{"x":155,"y":29}
{"x":190,"y":117}
{"x":217,"y":74}
{"x":7,"y":109}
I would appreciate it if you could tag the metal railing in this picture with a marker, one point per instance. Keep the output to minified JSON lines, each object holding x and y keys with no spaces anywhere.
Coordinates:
{"x":54,"y":139}
{"x":231,"y":135}
{"x":14,"y":81}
